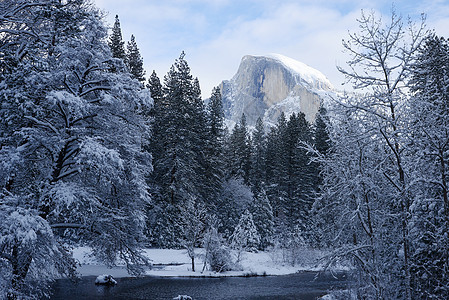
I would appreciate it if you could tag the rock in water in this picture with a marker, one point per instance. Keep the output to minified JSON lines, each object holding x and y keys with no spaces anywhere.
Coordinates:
{"x":105,"y":279}
{"x":183,"y":297}
{"x":265,"y":86}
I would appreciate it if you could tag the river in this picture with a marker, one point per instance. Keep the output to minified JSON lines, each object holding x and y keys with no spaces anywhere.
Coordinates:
{"x":304,"y":285}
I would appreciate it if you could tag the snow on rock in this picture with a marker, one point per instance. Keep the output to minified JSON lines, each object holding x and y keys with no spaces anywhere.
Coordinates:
{"x":307,"y":73}
{"x":182,"y":297}
{"x":265,"y":86}
{"x":105,"y":279}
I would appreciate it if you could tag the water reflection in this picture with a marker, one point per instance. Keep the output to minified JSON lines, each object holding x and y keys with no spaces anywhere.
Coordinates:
{"x":296,"y":286}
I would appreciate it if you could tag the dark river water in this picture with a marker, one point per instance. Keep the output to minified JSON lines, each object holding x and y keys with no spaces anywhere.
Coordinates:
{"x":303,"y":285}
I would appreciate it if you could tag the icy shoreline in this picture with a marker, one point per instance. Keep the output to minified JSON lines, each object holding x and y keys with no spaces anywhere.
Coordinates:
{"x":176,"y":263}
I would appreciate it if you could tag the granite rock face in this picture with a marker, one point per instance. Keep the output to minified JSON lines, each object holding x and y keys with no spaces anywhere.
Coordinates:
{"x":266,"y":86}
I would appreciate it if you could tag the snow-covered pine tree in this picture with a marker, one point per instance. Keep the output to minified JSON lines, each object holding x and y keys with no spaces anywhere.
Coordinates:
{"x":301,"y":174}
{"x":134,"y":60}
{"x":321,"y":146}
{"x":429,"y":119}
{"x":321,"y":142}
{"x":116,"y":43}
{"x":263,"y":219}
{"x":289,"y":174}
{"x":156,"y":145}
{"x":71,"y":136}
{"x":199,"y":137}
{"x":155,"y":87}
{"x":321,"y":134}
{"x":245,"y":236}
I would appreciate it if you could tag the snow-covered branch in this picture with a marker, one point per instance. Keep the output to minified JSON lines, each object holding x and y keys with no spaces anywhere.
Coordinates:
{"x":43,"y":123}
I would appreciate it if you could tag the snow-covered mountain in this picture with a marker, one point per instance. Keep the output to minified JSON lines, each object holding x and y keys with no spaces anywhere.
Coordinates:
{"x":267,"y":85}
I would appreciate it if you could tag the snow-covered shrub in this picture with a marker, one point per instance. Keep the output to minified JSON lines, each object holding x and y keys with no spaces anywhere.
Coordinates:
{"x":218,"y":255}
{"x":234,"y":198}
{"x":290,"y":248}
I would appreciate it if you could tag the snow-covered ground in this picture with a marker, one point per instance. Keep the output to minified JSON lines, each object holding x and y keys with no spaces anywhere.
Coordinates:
{"x":175,"y":263}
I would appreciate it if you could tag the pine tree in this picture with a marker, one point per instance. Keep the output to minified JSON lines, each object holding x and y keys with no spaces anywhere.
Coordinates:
{"x":155,"y":87}
{"x":322,"y":140}
{"x":258,"y":158}
{"x":276,"y":168}
{"x":215,"y":144}
{"x":301,"y":173}
{"x":116,"y":43}
{"x":430,"y":120}
{"x":289,"y":174}
{"x":263,"y":219}
{"x":239,"y":151}
{"x":134,"y":60}
{"x":245,"y":236}
{"x":179,"y":168}
{"x":321,"y":143}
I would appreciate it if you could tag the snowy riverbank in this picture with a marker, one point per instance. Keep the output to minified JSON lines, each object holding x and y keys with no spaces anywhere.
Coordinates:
{"x":176,"y":263}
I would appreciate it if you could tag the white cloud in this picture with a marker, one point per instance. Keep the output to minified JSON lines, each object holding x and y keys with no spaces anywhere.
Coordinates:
{"x":306,"y":33}
{"x":216,"y":34}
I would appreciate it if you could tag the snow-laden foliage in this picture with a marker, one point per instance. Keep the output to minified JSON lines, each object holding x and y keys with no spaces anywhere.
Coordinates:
{"x":234,"y":199}
{"x":366,"y":208}
{"x":263,"y":219}
{"x":72,"y":135}
{"x":105,"y":279}
{"x":245,"y":236}
{"x":193,"y":218}
{"x":26,"y":240}
{"x":217,"y":253}
{"x":429,"y":119}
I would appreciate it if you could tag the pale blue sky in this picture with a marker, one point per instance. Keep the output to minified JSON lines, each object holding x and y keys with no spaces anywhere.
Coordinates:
{"x":216,"y":34}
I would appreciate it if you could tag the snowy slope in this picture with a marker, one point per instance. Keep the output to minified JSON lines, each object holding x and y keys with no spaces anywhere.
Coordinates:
{"x":303,"y":71}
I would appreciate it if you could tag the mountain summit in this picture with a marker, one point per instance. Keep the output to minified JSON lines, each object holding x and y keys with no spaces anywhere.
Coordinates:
{"x":265,"y":86}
